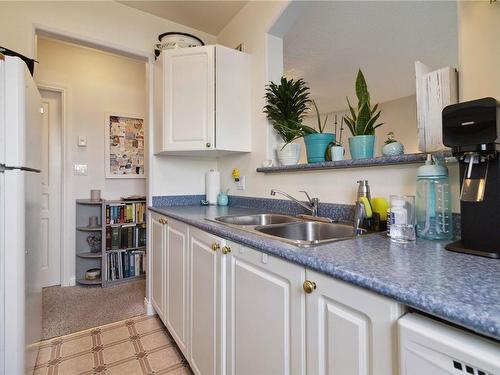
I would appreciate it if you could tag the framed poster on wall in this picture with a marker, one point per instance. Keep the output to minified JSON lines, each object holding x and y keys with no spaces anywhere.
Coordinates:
{"x":124,"y":146}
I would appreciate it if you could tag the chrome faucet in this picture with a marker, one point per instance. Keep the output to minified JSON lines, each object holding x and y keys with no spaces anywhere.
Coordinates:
{"x":313,"y":202}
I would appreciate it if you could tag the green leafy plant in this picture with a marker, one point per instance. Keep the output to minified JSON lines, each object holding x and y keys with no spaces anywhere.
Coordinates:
{"x":287,"y":105}
{"x":321,"y":127}
{"x":363,"y":118}
{"x":390,"y":138}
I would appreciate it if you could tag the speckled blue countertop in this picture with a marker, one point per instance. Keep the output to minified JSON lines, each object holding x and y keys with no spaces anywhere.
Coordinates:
{"x":459,"y":288}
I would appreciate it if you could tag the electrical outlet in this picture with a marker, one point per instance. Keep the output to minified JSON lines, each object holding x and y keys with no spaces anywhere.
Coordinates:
{"x":240,"y":185}
{"x":80,"y":169}
{"x":82,"y":141}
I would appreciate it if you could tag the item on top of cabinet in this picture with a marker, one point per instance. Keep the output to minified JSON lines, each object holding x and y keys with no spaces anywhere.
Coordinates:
{"x":392,"y":147}
{"x":93,"y":274}
{"x":172,"y":40}
{"x":212,"y":186}
{"x":434,"y":217}
{"x":472,"y":130}
{"x":287,"y":103}
{"x":317,"y":141}
{"x":95,"y":195}
{"x":402,"y":218}
{"x":362,"y":122}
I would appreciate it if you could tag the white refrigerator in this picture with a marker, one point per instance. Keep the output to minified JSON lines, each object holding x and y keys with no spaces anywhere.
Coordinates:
{"x":20,"y":196}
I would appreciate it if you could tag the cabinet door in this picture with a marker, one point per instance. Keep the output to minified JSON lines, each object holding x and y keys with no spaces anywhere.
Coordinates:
{"x":349,"y":330}
{"x":157,"y":254}
{"x":189,"y":99}
{"x":176,"y":267}
{"x":206,"y":303}
{"x":265,"y":314}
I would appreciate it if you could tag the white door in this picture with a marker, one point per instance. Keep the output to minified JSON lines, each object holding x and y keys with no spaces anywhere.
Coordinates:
{"x":176,"y":268}
{"x":189,"y":107}
{"x":265,"y":314}
{"x":157,"y":256}
{"x":51,"y":188}
{"x":350,"y":331}
{"x":206,"y":352}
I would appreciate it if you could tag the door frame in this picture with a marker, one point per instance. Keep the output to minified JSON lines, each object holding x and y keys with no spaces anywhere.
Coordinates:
{"x":65,"y":278}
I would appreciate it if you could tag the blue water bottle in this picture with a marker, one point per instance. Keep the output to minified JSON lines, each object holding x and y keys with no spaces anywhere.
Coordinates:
{"x":434,"y":216}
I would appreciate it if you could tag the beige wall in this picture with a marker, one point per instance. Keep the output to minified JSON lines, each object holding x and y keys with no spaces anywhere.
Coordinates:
{"x":479,"y":54}
{"x":113,"y":26}
{"x":398,"y":116}
{"x":250,"y":27}
{"x":479,"y":47}
{"x":97,"y":83}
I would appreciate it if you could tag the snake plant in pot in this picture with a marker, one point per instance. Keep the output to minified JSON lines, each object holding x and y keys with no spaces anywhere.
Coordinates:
{"x":287,"y":105}
{"x":317,"y":141}
{"x":362,"y":122}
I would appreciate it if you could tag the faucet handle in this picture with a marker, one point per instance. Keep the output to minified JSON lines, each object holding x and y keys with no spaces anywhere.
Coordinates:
{"x":307,"y":195}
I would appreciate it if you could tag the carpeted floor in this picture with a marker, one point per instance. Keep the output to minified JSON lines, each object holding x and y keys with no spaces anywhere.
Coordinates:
{"x":72,"y":309}
{"x":137,"y":346}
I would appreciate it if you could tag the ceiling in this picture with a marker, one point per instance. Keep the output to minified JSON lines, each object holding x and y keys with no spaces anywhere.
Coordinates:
{"x":331,"y":40}
{"x":208,"y":16}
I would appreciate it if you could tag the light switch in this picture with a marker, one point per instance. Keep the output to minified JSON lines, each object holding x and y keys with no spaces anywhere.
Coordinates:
{"x":82,"y":141}
{"x":80,"y":169}
{"x":240,"y":185}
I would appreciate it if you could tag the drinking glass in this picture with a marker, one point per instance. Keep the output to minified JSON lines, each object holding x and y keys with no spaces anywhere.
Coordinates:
{"x":402,"y":218}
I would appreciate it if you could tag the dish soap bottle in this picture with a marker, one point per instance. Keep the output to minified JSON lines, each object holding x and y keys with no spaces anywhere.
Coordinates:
{"x":434,"y":217}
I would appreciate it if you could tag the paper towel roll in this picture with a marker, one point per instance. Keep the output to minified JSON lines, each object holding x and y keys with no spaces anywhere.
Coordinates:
{"x":212,"y":186}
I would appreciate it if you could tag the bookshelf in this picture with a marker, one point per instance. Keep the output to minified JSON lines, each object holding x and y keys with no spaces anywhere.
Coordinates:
{"x":122,"y":229}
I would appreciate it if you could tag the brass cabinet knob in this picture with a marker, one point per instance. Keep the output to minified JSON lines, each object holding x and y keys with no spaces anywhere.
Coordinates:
{"x":226,"y":250}
{"x":208,"y":145}
{"x":163,"y":221}
{"x":309,"y":286}
{"x":215,"y":246}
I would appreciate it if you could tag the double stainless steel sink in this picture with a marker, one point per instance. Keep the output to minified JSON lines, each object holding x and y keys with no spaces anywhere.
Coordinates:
{"x":291,"y":229}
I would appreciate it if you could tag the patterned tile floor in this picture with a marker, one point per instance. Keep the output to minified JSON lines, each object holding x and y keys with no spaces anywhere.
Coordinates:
{"x":138,"y":345}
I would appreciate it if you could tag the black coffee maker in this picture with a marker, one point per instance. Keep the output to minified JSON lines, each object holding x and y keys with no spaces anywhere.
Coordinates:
{"x":472,"y":130}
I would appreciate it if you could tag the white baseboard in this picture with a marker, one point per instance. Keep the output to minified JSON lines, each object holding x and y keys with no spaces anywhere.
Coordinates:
{"x":149,"y":307}
{"x":72,"y":281}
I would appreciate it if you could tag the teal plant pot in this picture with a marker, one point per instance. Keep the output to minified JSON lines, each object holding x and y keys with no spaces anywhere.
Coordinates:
{"x":393,"y":149}
{"x":316,"y":145}
{"x":362,"y":146}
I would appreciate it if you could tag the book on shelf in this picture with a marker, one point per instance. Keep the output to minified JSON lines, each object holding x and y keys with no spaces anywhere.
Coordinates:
{"x":126,"y":237}
{"x":121,"y":213}
{"x":125,"y":263}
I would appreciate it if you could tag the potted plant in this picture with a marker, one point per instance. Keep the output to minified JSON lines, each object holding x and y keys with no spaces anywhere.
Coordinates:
{"x":392,"y":147}
{"x":362,"y":122}
{"x":287,"y":105}
{"x":317,"y":140}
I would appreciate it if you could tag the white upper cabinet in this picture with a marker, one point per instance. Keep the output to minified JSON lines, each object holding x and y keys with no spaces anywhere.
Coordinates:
{"x":202,"y":101}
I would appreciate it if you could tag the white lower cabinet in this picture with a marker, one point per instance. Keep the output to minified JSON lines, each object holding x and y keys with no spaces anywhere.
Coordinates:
{"x":349,"y":330}
{"x":176,"y":283}
{"x":206,"y":303}
{"x":265,"y":314}
{"x":235,"y":310}
{"x":157,"y":258}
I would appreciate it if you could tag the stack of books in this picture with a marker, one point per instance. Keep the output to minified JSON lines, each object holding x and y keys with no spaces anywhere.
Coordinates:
{"x":121,"y":213}
{"x":125,"y":236}
{"x":122,"y":264}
